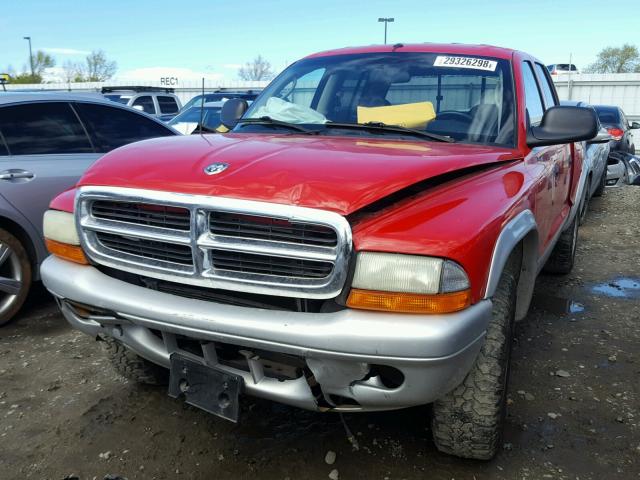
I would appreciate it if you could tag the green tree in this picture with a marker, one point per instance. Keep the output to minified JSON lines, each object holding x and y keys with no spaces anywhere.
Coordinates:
{"x":624,"y":59}
{"x":41,"y":61}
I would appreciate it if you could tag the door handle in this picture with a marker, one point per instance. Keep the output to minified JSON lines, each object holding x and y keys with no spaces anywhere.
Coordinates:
{"x":12,"y":175}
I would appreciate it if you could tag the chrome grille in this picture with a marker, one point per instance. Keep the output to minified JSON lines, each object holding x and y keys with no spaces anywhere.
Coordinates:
{"x":269,"y":228}
{"x":149,"y":249}
{"x":142,"y":214}
{"x":269,"y":265}
{"x":216,"y":242}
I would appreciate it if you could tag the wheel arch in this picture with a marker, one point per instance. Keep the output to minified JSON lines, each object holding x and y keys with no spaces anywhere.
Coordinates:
{"x":519,"y":232}
{"x":15,"y":229}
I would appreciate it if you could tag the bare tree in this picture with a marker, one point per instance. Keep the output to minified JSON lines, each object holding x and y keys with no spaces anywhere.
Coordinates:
{"x":71,"y":72}
{"x":624,"y":59}
{"x":258,"y":69}
{"x":97,"y":68}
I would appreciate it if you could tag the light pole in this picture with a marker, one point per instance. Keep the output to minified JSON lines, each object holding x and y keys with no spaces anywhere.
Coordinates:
{"x":30,"y":56}
{"x":386,"y":21}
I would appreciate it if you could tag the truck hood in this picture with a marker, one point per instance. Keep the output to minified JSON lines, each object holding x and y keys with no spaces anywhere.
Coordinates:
{"x":341,"y":174}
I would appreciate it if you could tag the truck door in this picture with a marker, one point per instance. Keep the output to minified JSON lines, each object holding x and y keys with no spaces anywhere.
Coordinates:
{"x":554,"y":162}
{"x":568,"y":162}
{"x":48,"y":150}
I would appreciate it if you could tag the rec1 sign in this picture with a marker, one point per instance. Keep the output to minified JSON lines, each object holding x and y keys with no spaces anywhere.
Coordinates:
{"x":169,"y":81}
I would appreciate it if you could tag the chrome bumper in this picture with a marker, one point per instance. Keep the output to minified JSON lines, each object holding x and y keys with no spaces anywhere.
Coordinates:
{"x":433,"y":352}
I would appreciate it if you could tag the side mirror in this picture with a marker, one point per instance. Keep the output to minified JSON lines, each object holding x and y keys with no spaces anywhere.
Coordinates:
{"x":140,"y":108}
{"x":602,"y":137}
{"x":564,"y":124}
{"x":634,"y":125}
{"x":232,"y":110}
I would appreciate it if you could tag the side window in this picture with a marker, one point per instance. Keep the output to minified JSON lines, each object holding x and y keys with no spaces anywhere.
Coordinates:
{"x":146,"y":102}
{"x":43,"y":128}
{"x":533,"y":102}
{"x":547,"y":87}
{"x":3,"y":147}
{"x":167,"y":104}
{"x":112,"y":127}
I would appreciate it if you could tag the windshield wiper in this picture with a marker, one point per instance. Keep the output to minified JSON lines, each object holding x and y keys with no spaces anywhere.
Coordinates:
{"x":278,"y":123}
{"x":383,"y":127}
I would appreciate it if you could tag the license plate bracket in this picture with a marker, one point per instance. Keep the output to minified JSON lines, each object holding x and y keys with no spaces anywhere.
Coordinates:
{"x":205,"y":387}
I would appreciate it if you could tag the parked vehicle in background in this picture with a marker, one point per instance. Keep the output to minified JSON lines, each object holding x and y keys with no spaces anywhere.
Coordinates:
{"x":363,"y":239}
{"x":616,"y":123}
{"x":616,"y":170}
{"x":155,"y":101}
{"x":623,"y":169}
{"x":47,"y":140}
{"x":220,"y":95}
{"x":633,"y":170}
{"x":562,"y":68}
{"x":595,"y":161}
{"x":188,"y":120}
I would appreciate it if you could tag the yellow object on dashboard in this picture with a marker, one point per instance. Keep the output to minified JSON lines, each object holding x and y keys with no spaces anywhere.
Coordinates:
{"x":410,"y":115}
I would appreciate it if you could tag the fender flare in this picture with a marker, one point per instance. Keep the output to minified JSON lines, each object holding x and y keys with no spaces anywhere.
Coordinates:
{"x":521,"y":228}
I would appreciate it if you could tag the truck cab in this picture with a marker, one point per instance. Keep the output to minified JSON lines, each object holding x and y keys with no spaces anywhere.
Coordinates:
{"x":363,"y":238}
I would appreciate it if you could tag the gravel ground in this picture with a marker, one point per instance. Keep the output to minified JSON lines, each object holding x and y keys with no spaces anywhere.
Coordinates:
{"x":573,"y":407}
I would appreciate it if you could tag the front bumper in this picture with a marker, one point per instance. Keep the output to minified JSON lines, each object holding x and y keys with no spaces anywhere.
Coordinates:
{"x":433,"y":352}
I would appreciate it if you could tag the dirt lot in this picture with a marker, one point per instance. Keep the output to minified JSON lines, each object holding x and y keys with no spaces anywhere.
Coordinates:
{"x":574,"y":401}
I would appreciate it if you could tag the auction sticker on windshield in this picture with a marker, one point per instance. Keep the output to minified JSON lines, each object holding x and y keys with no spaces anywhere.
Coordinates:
{"x":465,"y":62}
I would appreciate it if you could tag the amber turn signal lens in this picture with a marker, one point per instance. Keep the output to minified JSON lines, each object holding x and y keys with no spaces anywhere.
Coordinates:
{"x":409,"y":302}
{"x":73,"y":253}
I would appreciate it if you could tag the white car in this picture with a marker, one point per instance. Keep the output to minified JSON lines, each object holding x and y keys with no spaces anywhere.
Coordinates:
{"x":158,"y":102}
{"x":562,"y":69}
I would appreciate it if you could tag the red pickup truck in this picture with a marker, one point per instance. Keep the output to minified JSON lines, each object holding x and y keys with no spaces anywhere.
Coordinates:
{"x":363,"y":238}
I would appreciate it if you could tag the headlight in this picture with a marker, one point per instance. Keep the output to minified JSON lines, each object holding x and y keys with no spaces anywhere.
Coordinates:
{"x":408,"y":283}
{"x":61,"y":236}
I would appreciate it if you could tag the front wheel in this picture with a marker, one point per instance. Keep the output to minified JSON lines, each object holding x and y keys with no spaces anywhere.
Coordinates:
{"x":132,"y":366}
{"x":468,"y":421}
{"x":15,"y":276}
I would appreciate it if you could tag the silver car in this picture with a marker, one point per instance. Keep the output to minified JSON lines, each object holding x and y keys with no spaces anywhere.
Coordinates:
{"x":47,"y":140}
{"x":623,"y":169}
{"x":595,"y":162}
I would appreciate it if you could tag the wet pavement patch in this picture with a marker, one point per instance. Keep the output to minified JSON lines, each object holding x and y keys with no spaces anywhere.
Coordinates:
{"x":621,"y":287}
{"x":557,"y":305}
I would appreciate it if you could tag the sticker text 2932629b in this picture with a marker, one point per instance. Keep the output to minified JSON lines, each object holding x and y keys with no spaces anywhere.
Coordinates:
{"x":465,"y":62}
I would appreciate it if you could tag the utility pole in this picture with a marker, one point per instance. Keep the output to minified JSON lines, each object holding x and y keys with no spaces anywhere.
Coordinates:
{"x":33,"y":75}
{"x":385,"y":21}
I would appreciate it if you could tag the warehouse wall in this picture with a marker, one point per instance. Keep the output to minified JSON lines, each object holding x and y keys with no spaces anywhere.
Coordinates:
{"x":186,"y":90}
{"x":622,"y":89}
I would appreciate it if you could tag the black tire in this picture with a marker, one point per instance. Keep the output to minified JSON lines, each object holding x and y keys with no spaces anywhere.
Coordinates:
{"x":564,"y":253}
{"x":14,"y":267}
{"x":601,"y":185}
{"x":468,"y":421}
{"x":134,"y":367}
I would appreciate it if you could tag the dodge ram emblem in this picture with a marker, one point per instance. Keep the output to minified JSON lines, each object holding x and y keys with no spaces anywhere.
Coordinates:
{"x":215,"y":168}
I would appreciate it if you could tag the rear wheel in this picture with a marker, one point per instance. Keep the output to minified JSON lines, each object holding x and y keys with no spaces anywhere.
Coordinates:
{"x":15,"y":276}
{"x":134,"y":367}
{"x":564,"y":253}
{"x":468,"y":421}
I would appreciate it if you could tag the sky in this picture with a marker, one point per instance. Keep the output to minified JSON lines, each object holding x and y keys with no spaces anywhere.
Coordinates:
{"x":151,"y":39}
